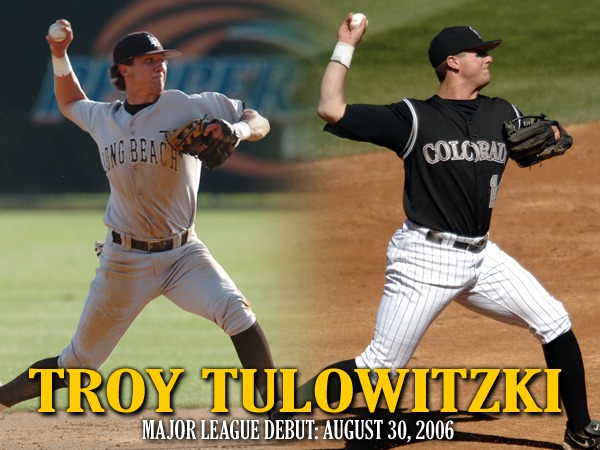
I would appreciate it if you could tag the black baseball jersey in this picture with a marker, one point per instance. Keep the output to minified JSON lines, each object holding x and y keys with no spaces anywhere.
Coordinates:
{"x":454,"y":154}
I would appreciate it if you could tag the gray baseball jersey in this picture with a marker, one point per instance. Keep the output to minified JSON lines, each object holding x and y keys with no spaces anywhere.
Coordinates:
{"x":152,"y":207}
{"x":153,"y":188}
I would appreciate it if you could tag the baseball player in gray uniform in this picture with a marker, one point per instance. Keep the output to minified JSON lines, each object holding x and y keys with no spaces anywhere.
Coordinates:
{"x":454,"y":155}
{"x":151,"y":248}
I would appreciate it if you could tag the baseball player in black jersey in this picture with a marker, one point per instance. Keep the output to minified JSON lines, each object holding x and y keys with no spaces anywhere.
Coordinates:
{"x":454,"y":155}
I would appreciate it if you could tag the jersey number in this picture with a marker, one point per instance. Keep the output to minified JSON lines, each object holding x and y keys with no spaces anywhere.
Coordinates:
{"x":494,"y":187}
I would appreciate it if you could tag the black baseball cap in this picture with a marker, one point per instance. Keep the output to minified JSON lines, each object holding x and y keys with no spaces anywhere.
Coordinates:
{"x":138,"y":44}
{"x":454,"y":40}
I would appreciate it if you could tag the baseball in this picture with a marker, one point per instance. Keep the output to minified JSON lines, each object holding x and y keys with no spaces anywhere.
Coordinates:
{"x":56,"y":32}
{"x":356,"y":20}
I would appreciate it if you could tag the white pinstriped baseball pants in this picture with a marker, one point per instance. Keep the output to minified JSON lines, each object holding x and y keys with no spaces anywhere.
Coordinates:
{"x":423,"y":277}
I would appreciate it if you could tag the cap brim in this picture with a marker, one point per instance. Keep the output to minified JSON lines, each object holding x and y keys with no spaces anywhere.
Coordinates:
{"x":167,"y":53}
{"x":486,"y":46}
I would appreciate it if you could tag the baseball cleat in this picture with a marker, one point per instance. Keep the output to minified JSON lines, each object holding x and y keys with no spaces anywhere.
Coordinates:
{"x":589,"y":437}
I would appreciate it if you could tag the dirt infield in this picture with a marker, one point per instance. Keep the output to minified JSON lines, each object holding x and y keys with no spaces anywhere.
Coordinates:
{"x":546,"y":217}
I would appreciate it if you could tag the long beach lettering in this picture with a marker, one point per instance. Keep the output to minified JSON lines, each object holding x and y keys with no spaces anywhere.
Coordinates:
{"x":139,"y":150}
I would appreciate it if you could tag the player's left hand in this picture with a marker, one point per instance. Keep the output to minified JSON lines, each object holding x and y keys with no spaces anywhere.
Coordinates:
{"x":533,"y":139}
{"x":215,"y":129}
{"x":212,"y":142}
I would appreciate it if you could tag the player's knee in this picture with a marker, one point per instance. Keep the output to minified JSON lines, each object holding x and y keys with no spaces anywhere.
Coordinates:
{"x":238,"y":315}
{"x":558,"y":327}
{"x":70,"y":358}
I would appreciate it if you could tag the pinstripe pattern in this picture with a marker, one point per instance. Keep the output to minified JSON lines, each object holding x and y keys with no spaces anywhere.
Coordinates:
{"x":422,"y":278}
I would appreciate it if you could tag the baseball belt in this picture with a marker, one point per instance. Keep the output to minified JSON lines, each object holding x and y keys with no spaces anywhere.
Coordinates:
{"x":153,"y":246}
{"x":473,"y":247}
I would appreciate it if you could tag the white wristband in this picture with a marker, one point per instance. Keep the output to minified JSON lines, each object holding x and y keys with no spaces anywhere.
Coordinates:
{"x":342,"y":53}
{"x":61,"y":66}
{"x":242,"y":130}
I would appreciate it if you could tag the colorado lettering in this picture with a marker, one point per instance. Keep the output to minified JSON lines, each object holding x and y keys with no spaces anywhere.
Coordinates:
{"x":443,"y":151}
{"x":138,"y":150}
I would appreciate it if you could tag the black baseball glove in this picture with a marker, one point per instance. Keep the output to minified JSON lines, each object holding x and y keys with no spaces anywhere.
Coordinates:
{"x":211,"y":141}
{"x":531,"y":139}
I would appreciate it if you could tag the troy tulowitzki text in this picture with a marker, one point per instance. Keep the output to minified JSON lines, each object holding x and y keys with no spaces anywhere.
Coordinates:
{"x":515,"y":398}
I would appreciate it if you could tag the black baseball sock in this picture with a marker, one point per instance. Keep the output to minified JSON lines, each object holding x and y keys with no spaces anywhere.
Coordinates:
{"x":253,"y":350}
{"x":563,"y":353}
{"x":306,"y":392}
{"x":23,"y":388}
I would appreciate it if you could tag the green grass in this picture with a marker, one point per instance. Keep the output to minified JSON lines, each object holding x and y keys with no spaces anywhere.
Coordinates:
{"x":548,"y":62}
{"x":46,"y":265}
